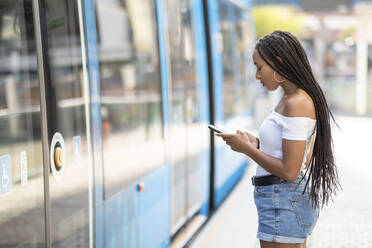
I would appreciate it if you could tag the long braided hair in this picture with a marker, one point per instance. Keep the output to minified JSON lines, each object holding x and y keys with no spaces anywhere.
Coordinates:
{"x":285,"y":55}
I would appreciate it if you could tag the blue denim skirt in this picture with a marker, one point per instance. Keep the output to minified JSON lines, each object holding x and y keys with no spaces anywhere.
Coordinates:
{"x":285,"y":214}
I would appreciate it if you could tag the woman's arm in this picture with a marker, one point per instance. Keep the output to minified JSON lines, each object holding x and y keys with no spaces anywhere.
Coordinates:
{"x":289,"y":167}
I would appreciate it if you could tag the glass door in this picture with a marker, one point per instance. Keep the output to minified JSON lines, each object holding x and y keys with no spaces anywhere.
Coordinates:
{"x":68,"y":193}
{"x":22,"y":222}
{"x":186,"y":131}
{"x":43,"y":120}
{"x":68,"y":182}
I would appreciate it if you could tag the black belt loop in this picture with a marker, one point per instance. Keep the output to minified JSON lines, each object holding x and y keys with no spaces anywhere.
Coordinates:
{"x":266,"y":180}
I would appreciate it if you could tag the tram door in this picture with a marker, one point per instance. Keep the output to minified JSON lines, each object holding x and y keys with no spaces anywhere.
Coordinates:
{"x":67,"y":123}
{"x":186,"y":134}
{"x":44,"y":169}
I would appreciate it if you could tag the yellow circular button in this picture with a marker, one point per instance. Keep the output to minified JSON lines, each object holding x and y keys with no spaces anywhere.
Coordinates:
{"x":58,"y":155}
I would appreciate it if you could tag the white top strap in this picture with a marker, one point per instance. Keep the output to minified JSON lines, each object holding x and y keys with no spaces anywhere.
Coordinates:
{"x":295,"y":128}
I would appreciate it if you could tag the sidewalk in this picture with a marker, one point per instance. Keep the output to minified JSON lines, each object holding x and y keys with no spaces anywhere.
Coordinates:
{"x":345,"y":223}
{"x":348,"y":221}
{"x":235,"y":222}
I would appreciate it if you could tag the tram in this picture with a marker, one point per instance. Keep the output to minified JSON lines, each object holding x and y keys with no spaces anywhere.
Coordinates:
{"x":104,"y":108}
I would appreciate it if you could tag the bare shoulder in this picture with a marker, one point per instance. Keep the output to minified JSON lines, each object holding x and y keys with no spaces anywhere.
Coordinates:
{"x":299,"y":105}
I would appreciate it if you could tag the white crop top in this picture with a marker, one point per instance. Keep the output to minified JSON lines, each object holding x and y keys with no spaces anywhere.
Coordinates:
{"x":277,"y":127}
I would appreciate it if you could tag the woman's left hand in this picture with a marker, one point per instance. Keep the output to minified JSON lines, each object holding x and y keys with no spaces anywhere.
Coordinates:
{"x":238,"y":142}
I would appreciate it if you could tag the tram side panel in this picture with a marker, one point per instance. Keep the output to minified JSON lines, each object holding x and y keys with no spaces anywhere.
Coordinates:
{"x":135,"y":174}
{"x":189,"y":137}
{"x":134,"y":184}
{"x":203,"y":95}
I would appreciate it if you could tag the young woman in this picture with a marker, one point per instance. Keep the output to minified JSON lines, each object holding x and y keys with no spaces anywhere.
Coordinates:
{"x":296,"y":173}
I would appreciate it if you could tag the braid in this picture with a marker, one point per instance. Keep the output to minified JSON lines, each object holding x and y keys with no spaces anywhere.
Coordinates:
{"x":285,"y":55}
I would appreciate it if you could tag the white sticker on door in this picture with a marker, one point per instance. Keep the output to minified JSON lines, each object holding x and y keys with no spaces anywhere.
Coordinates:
{"x":77,"y":150}
{"x":23,"y":165}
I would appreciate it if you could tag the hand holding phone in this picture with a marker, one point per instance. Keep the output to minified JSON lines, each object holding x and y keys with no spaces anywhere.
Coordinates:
{"x":215,"y":129}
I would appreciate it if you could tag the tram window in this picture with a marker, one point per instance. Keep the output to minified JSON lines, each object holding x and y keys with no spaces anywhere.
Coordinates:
{"x":228,"y":58}
{"x":369,"y":78}
{"x":21,"y":169}
{"x":246,"y":71}
{"x":237,"y":40}
{"x":133,"y":143}
{"x":183,"y":89}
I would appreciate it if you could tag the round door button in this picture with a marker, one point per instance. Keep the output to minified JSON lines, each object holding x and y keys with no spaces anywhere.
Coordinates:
{"x":58,"y":157}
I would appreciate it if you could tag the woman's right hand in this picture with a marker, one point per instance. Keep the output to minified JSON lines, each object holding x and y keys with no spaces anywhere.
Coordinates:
{"x":253,"y":139}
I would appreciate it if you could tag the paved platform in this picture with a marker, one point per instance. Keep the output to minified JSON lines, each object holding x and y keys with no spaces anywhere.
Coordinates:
{"x":345,"y":223}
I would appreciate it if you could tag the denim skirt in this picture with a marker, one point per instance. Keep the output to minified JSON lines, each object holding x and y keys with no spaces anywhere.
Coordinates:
{"x":285,"y":214}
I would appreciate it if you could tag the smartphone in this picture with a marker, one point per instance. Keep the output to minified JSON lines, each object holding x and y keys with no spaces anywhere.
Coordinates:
{"x":215,"y":129}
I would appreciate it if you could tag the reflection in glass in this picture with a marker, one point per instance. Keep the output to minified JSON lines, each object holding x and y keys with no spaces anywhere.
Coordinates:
{"x":21,"y":167}
{"x":237,"y":42}
{"x":228,"y":57}
{"x":246,"y":89}
{"x":133,"y":142}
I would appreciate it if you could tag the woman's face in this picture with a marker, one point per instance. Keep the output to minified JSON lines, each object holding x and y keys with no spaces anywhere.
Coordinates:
{"x":264,"y":73}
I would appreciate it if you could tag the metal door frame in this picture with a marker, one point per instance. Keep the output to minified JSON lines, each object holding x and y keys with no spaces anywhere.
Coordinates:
{"x":43,"y":108}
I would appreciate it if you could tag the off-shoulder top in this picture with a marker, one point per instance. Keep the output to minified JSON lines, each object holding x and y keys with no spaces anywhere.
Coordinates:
{"x":277,"y":127}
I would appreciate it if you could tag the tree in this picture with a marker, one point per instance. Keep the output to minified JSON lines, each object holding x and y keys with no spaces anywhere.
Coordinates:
{"x":273,"y":17}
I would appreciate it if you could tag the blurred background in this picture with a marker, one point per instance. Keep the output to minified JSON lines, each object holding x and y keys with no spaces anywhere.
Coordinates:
{"x":338,"y":42}
{"x":336,"y":39}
